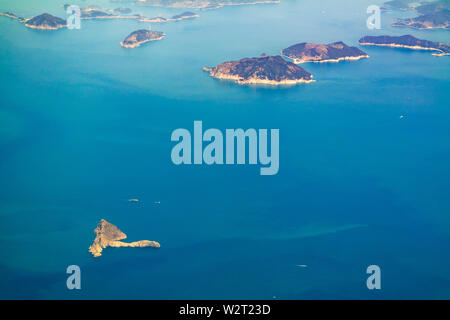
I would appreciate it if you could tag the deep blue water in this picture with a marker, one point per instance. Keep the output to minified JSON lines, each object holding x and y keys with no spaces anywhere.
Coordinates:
{"x":85,"y":125}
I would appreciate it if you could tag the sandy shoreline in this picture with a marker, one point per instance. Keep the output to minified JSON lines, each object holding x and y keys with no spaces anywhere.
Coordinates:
{"x":137,"y":44}
{"x":300,"y":61}
{"x":392,"y":45}
{"x":44,"y":28}
{"x":240,"y":81}
{"x":396,"y":25}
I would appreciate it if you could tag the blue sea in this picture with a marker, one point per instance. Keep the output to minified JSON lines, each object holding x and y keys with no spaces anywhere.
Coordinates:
{"x":85,"y":125}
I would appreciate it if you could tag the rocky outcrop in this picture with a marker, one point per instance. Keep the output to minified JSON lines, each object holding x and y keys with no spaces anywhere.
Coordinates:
{"x":272,"y":70}
{"x":12,"y":16}
{"x":432,"y":15}
{"x":136,"y":38}
{"x":333,"y":52}
{"x":435,"y":20}
{"x":46,"y":21}
{"x":108,"y":235}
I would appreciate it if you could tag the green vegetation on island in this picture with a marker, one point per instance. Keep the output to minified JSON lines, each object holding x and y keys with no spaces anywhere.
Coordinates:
{"x":333,"y":52}
{"x":136,"y":38}
{"x":272,"y":70}
{"x":46,"y":21}
{"x":407,"y":41}
{"x":432,"y":15}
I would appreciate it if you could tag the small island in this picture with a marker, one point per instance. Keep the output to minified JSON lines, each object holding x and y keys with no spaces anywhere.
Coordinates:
{"x":406,"y":41}
{"x":435,"y":20}
{"x":122,"y":10}
{"x":184,"y":15}
{"x":153,"y":20}
{"x":45,"y":21}
{"x":136,"y":38}
{"x":94,"y":12}
{"x":333,"y":52}
{"x":271,"y":70}
{"x":432,"y":15}
{"x":12,"y":16}
{"x":48,"y":22}
{"x":108,"y":235}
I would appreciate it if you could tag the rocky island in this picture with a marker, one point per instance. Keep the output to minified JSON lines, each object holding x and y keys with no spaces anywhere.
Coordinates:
{"x":435,"y":20}
{"x":184,"y":15}
{"x":12,"y":16}
{"x":136,"y":38}
{"x":432,"y":15}
{"x":407,"y":41}
{"x":333,"y":52}
{"x":272,"y":70}
{"x":95,"y":12}
{"x":45,"y":22}
{"x":48,"y":22}
{"x":122,"y":10}
{"x":108,"y":235}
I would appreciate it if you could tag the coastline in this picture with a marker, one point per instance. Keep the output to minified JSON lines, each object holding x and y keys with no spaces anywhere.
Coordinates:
{"x":393,"y":45}
{"x":13,"y":16}
{"x":108,"y":235}
{"x":301,"y":61}
{"x":240,"y":81}
{"x":141,"y":18}
{"x":110,"y":17}
{"x":138,"y":43}
{"x":44,"y":28}
{"x":208,"y":7}
{"x":9,"y":15}
{"x":138,"y":18}
{"x":417,"y":28}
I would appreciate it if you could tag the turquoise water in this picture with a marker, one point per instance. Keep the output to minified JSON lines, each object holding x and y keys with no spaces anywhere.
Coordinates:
{"x":85,"y":125}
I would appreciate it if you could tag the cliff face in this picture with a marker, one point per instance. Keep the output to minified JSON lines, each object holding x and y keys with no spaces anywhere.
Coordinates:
{"x":139,"y":37}
{"x":265,"y":70}
{"x":46,"y":22}
{"x":333,"y":52}
{"x":407,"y":41}
{"x":108,"y":235}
